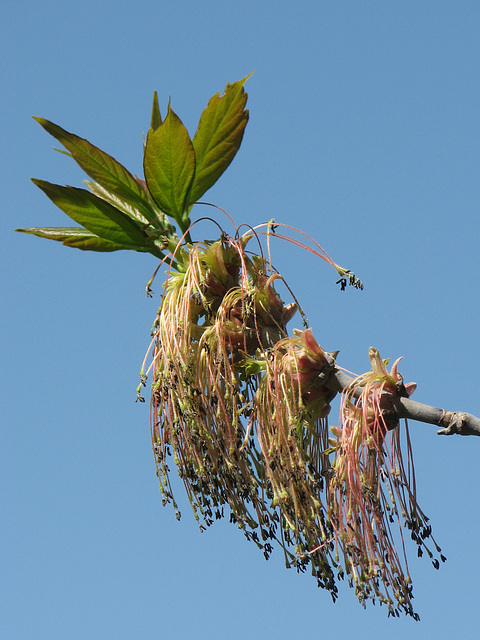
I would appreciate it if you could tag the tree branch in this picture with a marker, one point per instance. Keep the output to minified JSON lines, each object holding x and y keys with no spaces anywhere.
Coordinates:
{"x":452,"y":422}
{"x":459,"y":422}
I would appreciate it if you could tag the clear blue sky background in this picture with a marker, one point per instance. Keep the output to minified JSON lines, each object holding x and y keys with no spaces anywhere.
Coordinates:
{"x":364,"y":131}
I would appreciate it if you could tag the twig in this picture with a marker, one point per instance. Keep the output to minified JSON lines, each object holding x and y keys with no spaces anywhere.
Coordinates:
{"x":452,"y":422}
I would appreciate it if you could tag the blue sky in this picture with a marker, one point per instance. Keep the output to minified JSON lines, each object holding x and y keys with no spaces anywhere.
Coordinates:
{"x":364,"y":132}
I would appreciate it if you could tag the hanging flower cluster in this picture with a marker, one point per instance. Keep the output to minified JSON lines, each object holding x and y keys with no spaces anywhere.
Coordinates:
{"x":371,"y":492}
{"x":213,"y":315}
{"x":242,"y":407}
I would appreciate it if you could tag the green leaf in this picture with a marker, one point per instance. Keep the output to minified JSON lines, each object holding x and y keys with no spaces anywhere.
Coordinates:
{"x":96,"y":215}
{"x":81,"y":238}
{"x":74,"y":237}
{"x":169,"y":165}
{"x":219,"y":136}
{"x":156,"y":116}
{"x":161,"y":223}
{"x":102,"y":167}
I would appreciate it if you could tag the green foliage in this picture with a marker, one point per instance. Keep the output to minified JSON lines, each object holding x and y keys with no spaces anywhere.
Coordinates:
{"x":121,"y":211}
{"x":219,"y":136}
{"x":102,"y":168}
{"x":156,"y":116}
{"x":75,"y":237}
{"x":169,"y":166}
{"x":96,"y":215}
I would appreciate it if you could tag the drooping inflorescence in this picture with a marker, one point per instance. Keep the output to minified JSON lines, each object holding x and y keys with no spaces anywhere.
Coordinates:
{"x":372,"y":492}
{"x":242,"y":408}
